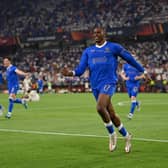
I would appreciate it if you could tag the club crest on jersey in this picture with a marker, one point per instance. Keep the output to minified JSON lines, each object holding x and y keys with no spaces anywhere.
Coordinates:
{"x":107,"y":50}
{"x":92,"y":50}
{"x":99,"y":60}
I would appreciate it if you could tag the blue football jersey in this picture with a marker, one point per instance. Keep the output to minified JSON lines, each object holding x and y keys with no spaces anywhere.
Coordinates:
{"x":131,"y":72}
{"x":40,"y":83}
{"x":102,"y":62}
{"x":12,"y":77}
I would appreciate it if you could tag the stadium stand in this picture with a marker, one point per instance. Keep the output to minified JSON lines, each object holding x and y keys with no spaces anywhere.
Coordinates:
{"x":36,"y":18}
{"x":41,"y":18}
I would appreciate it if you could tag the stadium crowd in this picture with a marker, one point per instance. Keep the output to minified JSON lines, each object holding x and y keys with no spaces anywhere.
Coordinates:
{"x":44,"y":18}
{"x":47,"y":63}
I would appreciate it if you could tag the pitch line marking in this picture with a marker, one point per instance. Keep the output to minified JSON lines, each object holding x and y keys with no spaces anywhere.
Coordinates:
{"x":76,"y":135}
{"x":125,"y":103}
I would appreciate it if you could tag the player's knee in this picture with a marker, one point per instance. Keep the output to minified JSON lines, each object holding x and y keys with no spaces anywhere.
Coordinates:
{"x":11,"y":100}
{"x":133,"y":98}
{"x":100,"y":108}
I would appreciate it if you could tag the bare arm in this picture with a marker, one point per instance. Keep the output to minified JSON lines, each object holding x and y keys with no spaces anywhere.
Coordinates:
{"x":142,"y":76}
{"x":122,"y":74}
{"x":19,"y":72}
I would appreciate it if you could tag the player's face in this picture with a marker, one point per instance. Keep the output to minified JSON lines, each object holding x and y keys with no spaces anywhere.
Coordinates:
{"x":6,"y":62}
{"x":98,"y":35}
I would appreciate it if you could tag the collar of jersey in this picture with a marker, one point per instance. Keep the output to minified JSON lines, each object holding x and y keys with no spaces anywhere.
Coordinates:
{"x":9,"y":66}
{"x":100,"y":46}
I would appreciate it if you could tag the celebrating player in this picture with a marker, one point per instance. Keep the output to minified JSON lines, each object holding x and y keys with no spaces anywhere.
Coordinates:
{"x":12,"y":73}
{"x":132,"y":77}
{"x":101,"y":60}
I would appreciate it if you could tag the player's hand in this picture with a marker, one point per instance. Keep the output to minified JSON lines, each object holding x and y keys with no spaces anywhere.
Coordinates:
{"x":137,"y":78}
{"x":147,"y":76}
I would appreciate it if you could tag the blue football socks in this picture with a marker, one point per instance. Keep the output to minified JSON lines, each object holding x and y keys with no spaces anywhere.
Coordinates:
{"x":10,"y":107}
{"x":133,"y":105}
{"x":109,"y":127}
{"x":122,"y":130}
{"x":18,"y":101}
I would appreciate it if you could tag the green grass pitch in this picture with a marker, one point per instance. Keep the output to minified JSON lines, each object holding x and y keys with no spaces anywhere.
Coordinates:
{"x":65,"y":131}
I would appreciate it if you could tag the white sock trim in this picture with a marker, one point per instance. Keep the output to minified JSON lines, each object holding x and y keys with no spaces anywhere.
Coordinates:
{"x":108,"y":124}
{"x":126,"y":135}
{"x":112,"y":134}
{"x":121,"y":125}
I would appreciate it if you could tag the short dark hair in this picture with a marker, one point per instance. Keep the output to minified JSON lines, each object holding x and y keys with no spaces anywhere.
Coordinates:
{"x":7,"y":57}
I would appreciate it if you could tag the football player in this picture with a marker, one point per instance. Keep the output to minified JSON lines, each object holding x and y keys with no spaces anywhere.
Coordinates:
{"x":132,"y":76}
{"x":12,"y":73}
{"x":102,"y":61}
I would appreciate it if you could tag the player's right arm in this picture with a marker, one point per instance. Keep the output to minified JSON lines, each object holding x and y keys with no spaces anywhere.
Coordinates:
{"x":142,"y":76}
{"x":80,"y":69}
{"x":123,"y":75}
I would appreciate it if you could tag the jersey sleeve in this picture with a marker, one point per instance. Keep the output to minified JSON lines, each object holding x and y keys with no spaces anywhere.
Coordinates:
{"x":80,"y":69}
{"x":124,"y":54}
{"x":14,"y":68}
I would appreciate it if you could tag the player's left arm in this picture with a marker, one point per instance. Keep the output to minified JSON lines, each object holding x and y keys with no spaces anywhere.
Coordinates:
{"x":20,"y":72}
{"x":124,"y":54}
{"x":123,"y":75}
{"x":80,"y":69}
{"x":142,"y":76}
{"x":130,"y":59}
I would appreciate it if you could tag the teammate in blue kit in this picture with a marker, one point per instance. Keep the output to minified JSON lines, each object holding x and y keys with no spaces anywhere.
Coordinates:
{"x":132,"y":77}
{"x":12,"y":73}
{"x":102,"y":60}
{"x":40,"y":85}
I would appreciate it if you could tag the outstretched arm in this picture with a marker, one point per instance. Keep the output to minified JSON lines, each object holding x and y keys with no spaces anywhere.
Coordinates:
{"x":130,"y":59}
{"x":142,"y":76}
{"x":124,"y":54}
{"x":80,"y":69}
{"x":19,"y":72}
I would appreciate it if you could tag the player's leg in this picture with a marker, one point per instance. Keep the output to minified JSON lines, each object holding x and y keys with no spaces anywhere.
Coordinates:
{"x":20,"y":101}
{"x":133,"y":102}
{"x":132,"y":108}
{"x":41,"y":90}
{"x":12,"y":97}
{"x":102,"y":103}
{"x":138,"y":103}
{"x":133,"y":94}
{"x":122,"y":130}
{"x":12,"y":100}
